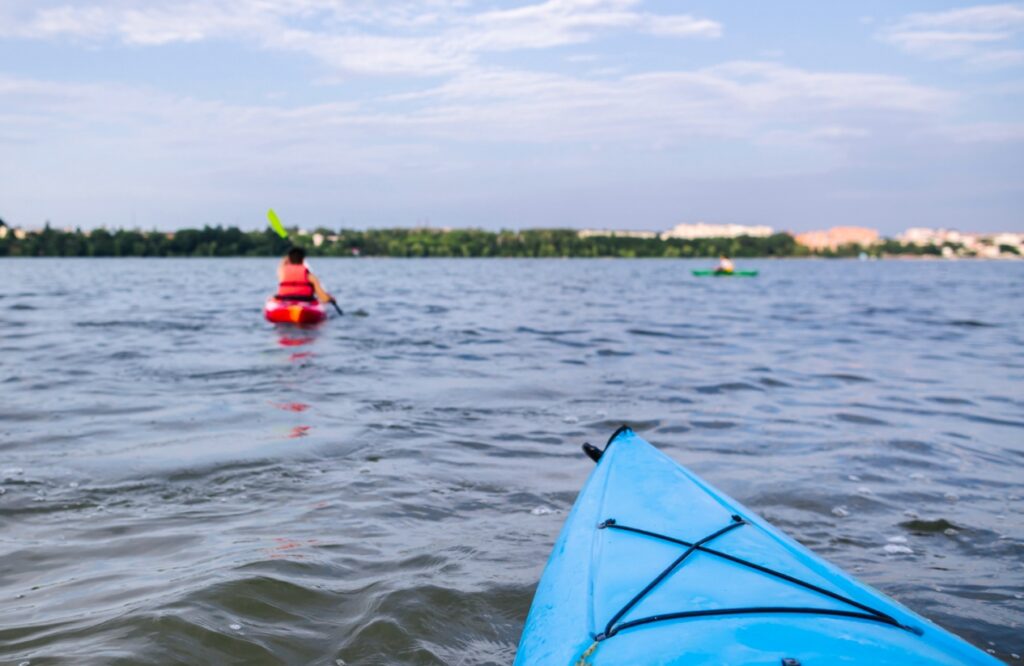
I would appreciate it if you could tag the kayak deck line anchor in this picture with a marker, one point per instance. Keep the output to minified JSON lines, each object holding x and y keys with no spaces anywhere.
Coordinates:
{"x":864,"y":611}
{"x":610,"y":629}
{"x":595,"y":453}
{"x":592,"y":451}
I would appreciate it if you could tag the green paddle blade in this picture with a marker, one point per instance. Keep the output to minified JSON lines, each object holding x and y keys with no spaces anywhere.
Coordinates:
{"x":276,"y":225}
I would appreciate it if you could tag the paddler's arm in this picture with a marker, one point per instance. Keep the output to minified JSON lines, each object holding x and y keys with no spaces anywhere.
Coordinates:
{"x":322,"y":295}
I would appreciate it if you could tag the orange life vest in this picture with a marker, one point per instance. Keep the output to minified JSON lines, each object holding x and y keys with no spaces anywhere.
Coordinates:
{"x":295,"y":283}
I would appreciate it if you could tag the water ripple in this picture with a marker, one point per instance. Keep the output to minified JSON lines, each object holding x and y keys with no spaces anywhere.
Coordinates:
{"x":182,"y":483}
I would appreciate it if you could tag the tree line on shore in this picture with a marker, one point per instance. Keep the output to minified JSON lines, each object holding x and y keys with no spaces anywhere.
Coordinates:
{"x":418,"y":242}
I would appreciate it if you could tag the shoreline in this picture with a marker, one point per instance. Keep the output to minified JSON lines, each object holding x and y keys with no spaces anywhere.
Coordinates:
{"x":320,"y":257}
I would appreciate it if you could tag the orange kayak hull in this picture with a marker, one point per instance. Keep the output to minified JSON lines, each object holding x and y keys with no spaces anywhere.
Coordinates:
{"x":300,"y":313}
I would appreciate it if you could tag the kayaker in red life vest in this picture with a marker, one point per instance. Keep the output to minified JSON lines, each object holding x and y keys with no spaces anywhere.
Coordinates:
{"x":296,"y":282}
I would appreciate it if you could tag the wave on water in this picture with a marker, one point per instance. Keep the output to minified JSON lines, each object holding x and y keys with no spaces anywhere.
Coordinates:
{"x":145,"y":324}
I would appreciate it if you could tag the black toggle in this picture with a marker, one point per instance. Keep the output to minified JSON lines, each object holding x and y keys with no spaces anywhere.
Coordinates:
{"x":592,"y":451}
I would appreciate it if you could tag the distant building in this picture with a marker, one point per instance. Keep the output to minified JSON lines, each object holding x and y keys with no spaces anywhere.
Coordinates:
{"x":836,"y":237}
{"x":979,"y":244}
{"x":991,"y":246}
{"x":589,"y":233}
{"x":926,"y":236}
{"x":1008,"y":238}
{"x":815,"y":240}
{"x":986,"y":251}
{"x":705,"y":230}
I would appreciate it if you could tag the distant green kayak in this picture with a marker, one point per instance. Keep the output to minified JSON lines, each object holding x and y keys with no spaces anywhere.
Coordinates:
{"x":722,"y":274}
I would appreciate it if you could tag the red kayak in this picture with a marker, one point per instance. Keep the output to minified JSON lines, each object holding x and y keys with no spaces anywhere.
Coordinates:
{"x":282,"y":311}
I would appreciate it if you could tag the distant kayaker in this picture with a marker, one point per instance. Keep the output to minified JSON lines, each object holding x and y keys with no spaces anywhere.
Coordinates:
{"x":296,"y":282}
{"x":725,"y":265}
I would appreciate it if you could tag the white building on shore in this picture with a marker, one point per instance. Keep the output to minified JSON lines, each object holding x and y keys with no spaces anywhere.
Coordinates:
{"x":684,"y":231}
{"x":926,"y":236}
{"x":988,"y":245}
{"x":17,"y":232}
{"x":705,"y":230}
{"x":589,"y":233}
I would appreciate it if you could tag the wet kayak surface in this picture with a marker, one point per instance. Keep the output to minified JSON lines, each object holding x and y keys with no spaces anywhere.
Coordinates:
{"x":183,"y":482}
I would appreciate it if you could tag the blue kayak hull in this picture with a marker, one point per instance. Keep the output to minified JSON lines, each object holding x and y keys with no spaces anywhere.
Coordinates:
{"x":748,"y":595}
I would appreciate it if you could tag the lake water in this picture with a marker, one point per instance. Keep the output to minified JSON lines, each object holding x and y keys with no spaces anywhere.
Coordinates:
{"x":185,"y":483}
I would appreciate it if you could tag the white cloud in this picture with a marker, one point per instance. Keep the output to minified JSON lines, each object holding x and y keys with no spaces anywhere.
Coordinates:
{"x":991,"y":132}
{"x":762,"y":83}
{"x":424,"y":38}
{"x":106,"y":148}
{"x":681,"y":26}
{"x":374,"y":54}
{"x":999,"y":58}
{"x":472,"y":125}
{"x":983,"y":36}
{"x":150,"y":25}
{"x":981,"y":17}
{"x":839,"y":132}
{"x":477,"y":106}
{"x":471,"y":101}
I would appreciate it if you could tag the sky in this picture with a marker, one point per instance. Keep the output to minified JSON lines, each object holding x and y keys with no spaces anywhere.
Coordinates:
{"x":617,"y":114}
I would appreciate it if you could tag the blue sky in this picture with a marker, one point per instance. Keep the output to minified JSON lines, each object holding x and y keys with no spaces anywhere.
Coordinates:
{"x":581,"y":113}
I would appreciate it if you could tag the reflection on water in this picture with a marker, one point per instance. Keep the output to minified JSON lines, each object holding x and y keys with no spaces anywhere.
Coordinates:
{"x":297,"y":336}
{"x":181,"y":482}
{"x":292,"y":406}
